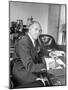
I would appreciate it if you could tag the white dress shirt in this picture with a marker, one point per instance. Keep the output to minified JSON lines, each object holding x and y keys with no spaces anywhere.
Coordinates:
{"x":33,"y":41}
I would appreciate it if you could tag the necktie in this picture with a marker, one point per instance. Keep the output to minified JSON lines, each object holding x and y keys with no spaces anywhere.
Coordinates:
{"x":37,"y":47}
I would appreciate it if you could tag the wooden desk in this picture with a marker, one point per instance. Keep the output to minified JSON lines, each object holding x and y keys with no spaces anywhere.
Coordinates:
{"x":59,"y":74}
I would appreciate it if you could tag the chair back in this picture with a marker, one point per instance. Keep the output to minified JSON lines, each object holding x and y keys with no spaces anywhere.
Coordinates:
{"x":47,"y":41}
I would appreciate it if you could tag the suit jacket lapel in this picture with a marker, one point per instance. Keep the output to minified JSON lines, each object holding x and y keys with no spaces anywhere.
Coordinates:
{"x":33,"y":50}
{"x":31,"y":45}
{"x":30,"y":42}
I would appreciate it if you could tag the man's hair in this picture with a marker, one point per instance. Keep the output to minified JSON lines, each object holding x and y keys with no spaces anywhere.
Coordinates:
{"x":33,"y":22}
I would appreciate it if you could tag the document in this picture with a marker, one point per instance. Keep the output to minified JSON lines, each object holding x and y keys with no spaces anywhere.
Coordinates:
{"x":56,"y":53}
{"x":54,"y":64}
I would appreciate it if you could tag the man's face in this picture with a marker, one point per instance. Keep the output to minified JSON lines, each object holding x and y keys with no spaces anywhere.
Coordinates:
{"x":35,"y":31}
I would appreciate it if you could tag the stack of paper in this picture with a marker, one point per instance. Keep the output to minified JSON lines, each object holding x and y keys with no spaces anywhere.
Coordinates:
{"x":56,"y":53}
{"x":51,"y":63}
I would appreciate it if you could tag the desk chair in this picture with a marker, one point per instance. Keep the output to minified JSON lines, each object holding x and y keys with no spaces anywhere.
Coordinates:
{"x":47,"y":41}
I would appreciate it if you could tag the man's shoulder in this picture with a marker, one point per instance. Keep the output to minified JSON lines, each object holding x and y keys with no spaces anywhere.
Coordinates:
{"x":23,"y":40}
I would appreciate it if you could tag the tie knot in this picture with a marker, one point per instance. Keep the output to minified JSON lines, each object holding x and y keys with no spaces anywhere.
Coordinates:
{"x":37,"y":47}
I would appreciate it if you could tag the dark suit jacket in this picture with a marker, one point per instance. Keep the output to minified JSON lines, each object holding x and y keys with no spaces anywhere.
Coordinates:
{"x":24,"y":69}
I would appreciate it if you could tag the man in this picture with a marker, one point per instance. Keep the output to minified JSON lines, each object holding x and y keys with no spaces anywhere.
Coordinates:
{"x":24,"y":70}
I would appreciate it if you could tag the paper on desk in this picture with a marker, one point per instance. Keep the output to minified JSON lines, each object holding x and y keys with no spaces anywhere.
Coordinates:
{"x":59,"y":67}
{"x":57,"y":53}
{"x":60,"y":62}
{"x":50,"y":60}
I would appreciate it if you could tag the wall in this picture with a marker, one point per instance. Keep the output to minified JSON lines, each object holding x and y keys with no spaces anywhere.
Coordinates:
{"x":47,"y":14}
{"x":53,"y":16}
{"x":56,"y":17}
{"x":24,"y":10}
{"x":62,"y":15}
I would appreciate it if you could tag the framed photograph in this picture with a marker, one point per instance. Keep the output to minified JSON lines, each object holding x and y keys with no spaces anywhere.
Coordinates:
{"x":37,"y":44}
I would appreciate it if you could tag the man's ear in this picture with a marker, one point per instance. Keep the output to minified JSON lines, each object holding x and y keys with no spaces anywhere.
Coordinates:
{"x":31,"y":26}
